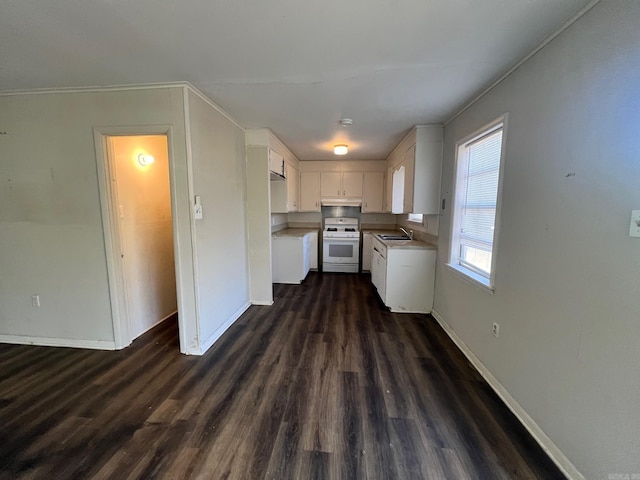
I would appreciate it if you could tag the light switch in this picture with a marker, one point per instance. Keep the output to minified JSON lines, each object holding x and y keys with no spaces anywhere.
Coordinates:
{"x":197,"y":208}
{"x":634,"y":227}
{"x":197,"y":211}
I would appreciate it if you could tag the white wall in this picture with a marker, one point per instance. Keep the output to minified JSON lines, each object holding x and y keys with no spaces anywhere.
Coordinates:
{"x":146,"y":230}
{"x":218,"y":159}
{"x":51,"y":235}
{"x":568,"y":275}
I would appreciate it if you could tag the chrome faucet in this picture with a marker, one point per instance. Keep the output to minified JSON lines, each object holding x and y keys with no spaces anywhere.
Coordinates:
{"x":408,"y":234}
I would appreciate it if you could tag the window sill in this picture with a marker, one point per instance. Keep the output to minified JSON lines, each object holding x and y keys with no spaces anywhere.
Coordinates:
{"x":472,"y":278}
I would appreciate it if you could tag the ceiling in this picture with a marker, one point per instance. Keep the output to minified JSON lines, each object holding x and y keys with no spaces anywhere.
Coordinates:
{"x":294,"y":66}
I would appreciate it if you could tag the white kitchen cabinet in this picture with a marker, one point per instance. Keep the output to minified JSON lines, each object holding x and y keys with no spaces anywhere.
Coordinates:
{"x":373,"y":192}
{"x":367,"y":251}
{"x":404,"y":277}
{"x":388,"y":190}
{"x":420,"y":153}
{"x":379,"y":274}
{"x":313,"y":250}
{"x":291,"y":257}
{"x":293,"y":187}
{"x":338,"y":184}
{"x":276,"y":163}
{"x":309,"y":191}
{"x":352,"y":184}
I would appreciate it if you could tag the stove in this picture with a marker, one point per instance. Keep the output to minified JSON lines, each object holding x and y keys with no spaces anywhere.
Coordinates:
{"x":341,"y":245}
{"x":341,"y":228}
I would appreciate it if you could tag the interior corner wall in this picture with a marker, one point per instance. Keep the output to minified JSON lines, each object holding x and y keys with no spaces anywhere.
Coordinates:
{"x":51,"y":232}
{"x":567,"y":275}
{"x":219,"y":178}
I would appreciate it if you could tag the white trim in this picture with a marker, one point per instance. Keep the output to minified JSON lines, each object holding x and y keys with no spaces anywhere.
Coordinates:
{"x":500,"y":123}
{"x":58,"y":342}
{"x":250,"y":142}
{"x":223,"y":328}
{"x":117,"y":88}
{"x":213,"y":105}
{"x":262,"y":302}
{"x":471,"y":277}
{"x":157,"y":323}
{"x":192,"y":221}
{"x":88,"y":89}
{"x":550,"y":448}
{"x":546,"y":41}
{"x":115,"y":273}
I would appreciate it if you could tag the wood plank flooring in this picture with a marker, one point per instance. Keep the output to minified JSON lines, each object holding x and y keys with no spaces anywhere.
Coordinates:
{"x":325,"y":384}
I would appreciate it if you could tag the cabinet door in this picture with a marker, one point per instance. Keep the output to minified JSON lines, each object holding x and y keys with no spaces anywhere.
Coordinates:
{"x":382,"y":279}
{"x":388,"y":194}
{"x":409,"y":176}
{"x":309,"y":191}
{"x":293,"y":181}
{"x":367,"y":251}
{"x":313,"y":251}
{"x":373,"y":192}
{"x":330,"y":184}
{"x":352,"y":184}
{"x":375,"y":268}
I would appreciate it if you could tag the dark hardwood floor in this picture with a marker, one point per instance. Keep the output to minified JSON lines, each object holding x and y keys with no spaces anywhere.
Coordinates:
{"x":325,"y":384}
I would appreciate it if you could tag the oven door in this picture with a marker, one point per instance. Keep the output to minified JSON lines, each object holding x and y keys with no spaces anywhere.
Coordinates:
{"x":340,"y":250}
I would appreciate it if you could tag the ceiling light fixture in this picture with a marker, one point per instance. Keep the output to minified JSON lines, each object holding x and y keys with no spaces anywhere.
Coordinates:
{"x":340,"y":149}
{"x":145,"y":160}
{"x":346,"y":122}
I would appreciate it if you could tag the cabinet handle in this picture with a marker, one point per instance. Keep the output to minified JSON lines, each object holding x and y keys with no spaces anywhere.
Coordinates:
{"x":344,"y":193}
{"x":316,"y":204}
{"x":338,"y":192}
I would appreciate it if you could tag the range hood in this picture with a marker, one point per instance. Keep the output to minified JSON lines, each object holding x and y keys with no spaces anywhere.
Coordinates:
{"x":341,"y":202}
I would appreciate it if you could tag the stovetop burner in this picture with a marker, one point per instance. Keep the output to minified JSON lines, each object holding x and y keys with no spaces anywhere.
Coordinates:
{"x":332,"y":229}
{"x":349,"y":229}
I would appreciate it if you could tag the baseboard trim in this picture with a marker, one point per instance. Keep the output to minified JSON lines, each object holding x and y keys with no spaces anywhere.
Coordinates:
{"x":58,"y":342}
{"x":223,"y":328}
{"x":157,"y":323}
{"x":556,"y":455}
{"x":260,"y":302}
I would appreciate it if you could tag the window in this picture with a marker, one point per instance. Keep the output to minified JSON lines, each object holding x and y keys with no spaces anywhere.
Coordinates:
{"x":476,"y":204}
{"x":415,"y":218}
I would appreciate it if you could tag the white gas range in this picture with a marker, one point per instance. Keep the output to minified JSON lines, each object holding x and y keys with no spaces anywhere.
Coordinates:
{"x":340,"y":245}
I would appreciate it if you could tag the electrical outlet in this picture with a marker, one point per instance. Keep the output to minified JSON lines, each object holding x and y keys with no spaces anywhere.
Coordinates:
{"x":35,"y":300}
{"x":495,"y":329}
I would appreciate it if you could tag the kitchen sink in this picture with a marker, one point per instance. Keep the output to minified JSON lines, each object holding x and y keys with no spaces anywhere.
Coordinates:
{"x":393,"y":237}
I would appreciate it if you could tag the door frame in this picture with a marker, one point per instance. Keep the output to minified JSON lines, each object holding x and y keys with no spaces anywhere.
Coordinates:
{"x":111,"y":229}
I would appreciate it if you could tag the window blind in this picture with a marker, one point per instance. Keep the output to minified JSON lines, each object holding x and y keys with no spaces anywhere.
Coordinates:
{"x":480,"y":198}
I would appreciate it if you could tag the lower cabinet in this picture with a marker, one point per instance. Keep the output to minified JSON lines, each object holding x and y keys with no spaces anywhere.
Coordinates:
{"x":379,"y":274}
{"x":367,"y":251}
{"x":312,"y":252}
{"x":292,"y":256}
{"x":404,"y":277}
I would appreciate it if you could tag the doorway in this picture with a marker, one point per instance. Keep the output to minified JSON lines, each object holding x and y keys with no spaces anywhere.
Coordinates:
{"x":141,"y":233}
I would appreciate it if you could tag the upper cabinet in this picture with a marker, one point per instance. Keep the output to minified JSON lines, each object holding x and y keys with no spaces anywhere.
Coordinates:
{"x":293,"y":187}
{"x":309,"y":191}
{"x":373,"y":192}
{"x":276,"y":163}
{"x":415,"y":167}
{"x":341,"y":184}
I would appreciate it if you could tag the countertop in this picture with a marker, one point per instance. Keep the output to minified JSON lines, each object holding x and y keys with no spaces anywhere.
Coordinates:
{"x":294,"y":232}
{"x":404,"y":244}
